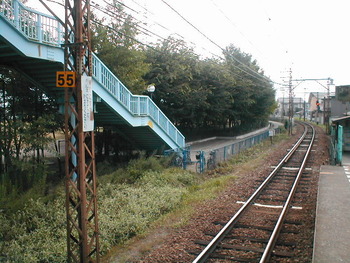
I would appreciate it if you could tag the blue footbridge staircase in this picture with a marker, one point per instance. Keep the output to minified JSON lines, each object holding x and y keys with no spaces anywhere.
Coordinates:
{"x":30,"y":42}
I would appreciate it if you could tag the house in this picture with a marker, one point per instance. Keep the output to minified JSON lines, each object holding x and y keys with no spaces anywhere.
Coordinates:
{"x":318,"y":102}
{"x":283,"y":107}
{"x":340,"y":103}
{"x":340,"y":118}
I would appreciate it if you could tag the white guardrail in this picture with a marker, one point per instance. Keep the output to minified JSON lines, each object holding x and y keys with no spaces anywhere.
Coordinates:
{"x":46,"y":29}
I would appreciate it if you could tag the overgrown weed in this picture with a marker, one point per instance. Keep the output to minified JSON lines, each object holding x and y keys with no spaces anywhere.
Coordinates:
{"x":146,"y":193}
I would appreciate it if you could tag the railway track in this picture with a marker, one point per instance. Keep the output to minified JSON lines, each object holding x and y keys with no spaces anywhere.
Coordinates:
{"x":259,"y":231}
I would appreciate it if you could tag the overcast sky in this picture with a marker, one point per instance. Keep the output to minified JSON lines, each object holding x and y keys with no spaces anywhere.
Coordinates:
{"x":309,"y":36}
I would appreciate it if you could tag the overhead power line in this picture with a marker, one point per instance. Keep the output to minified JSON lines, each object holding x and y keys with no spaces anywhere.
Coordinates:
{"x":257,"y":74}
{"x":112,"y":14}
{"x":234,"y":25}
{"x":145,"y":31}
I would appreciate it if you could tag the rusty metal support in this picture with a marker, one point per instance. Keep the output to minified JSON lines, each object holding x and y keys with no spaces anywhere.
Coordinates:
{"x":81,"y":202}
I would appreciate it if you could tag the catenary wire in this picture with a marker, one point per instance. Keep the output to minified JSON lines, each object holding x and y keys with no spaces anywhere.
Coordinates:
{"x":114,"y":15}
{"x":257,"y":76}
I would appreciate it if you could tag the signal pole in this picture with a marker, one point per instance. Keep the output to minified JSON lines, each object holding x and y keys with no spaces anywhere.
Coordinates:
{"x":327,"y":101}
{"x":81,"y":192}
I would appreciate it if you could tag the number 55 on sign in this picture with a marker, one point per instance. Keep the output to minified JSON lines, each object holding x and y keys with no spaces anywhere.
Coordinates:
{"x":65,"y":79}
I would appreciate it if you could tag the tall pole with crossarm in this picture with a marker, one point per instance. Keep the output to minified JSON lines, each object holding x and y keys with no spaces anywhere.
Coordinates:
{"x":81,"y":203}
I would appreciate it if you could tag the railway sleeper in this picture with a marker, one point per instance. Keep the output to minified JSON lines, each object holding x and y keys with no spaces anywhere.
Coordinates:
{"x":289,"y":222}
{"x":224,"y":256}
{"x":287,"y":176}
{"x":246,"y":248}
{"x":270,"y":199}
{"x":265,"y":228}
{"x":277,"y":189}
{"x":301,"y":192}
{"x":253,"y":240}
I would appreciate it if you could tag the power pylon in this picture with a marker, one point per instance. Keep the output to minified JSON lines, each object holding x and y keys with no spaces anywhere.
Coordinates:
{"x":81,"y":202}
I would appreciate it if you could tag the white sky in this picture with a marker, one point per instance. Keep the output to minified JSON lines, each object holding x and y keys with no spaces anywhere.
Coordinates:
{"x":309,"y":36}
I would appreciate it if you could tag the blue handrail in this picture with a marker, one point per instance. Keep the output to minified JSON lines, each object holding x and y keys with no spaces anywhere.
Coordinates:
{"x":35,"y":26}
{"x":47,"y":30}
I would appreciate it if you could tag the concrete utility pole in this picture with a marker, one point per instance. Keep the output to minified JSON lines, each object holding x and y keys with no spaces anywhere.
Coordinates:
{"x":290,"y":115}
{"x":81,"y":204}
{"x":317,"y":108}
{"x":328,"y":108}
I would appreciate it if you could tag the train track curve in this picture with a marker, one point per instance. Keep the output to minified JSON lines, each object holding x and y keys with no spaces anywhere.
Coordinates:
{"x":250,"y":237}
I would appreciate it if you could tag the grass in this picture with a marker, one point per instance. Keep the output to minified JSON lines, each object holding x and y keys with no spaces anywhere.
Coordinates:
{"x":132,"y":202}
{"x":205,"y":188}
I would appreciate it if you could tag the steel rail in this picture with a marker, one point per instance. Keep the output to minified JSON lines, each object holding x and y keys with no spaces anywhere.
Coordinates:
{"x":230,"y":224}
{"x":273,"y":238}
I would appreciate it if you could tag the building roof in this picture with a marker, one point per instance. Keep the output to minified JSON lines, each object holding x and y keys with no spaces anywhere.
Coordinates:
{"x":318,"y":94}
{"x":341,"y":119}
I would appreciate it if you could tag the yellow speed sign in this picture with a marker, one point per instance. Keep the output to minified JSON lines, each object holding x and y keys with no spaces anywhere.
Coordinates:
{"x":65,"y":79}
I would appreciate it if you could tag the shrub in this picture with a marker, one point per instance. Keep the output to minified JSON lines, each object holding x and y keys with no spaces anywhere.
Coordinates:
{"x":125,"y":211}
{"x":36,"y":233}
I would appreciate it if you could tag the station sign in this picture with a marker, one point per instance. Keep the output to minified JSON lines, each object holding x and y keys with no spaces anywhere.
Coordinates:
{"x":65,"y":79}
{"x":87,"y":103}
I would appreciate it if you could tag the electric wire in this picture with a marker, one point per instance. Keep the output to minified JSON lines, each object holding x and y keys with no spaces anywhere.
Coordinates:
{"x":141,"y":29}
{"x":136,"y":26}
{"x":126,"y":36}
{"x":122,"y":4}
{"x":113,"y":14}
{"x":175,"y":33}
{"x":153,"y":21}
{"x":235,"y":26}
{"x":206,"y":50}
{"x":257,"y":76}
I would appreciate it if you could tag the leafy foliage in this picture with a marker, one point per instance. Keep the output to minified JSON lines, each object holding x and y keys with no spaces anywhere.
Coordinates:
{"x":37,"y":231}
{"x":191,"y":91}
{"x":209,"y":93}
{"x":116,"y":46}
{"x":27,"y":118}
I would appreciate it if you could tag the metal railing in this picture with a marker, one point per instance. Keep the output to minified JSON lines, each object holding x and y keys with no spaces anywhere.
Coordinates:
{"x":135,"y":104}
{"x":46,"y":29}
{"x":213,"y":157}
{"x":35,"y":26}
{"x":224,"y":153}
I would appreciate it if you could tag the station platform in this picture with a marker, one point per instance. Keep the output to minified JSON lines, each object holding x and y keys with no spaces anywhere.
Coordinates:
{"x":332,"y":229}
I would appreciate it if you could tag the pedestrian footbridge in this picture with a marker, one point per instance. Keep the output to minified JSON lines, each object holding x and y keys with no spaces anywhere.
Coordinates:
{"x":30,"y":42}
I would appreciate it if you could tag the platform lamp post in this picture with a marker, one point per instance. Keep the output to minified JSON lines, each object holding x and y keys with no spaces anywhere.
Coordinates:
{"x":151,"y":88}
{"x":81,"y":192}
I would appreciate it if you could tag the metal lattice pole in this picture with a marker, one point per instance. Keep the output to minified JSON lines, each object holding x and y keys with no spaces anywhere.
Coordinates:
{"x":81,"y":202}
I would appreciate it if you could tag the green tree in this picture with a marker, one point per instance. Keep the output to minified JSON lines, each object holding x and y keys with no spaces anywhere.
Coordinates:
{"x":219,"y":83}
{"x":114,"y":42}
{"x":27,"y":117}
{"x":254,"y":94}
{"x":179,"y":93}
